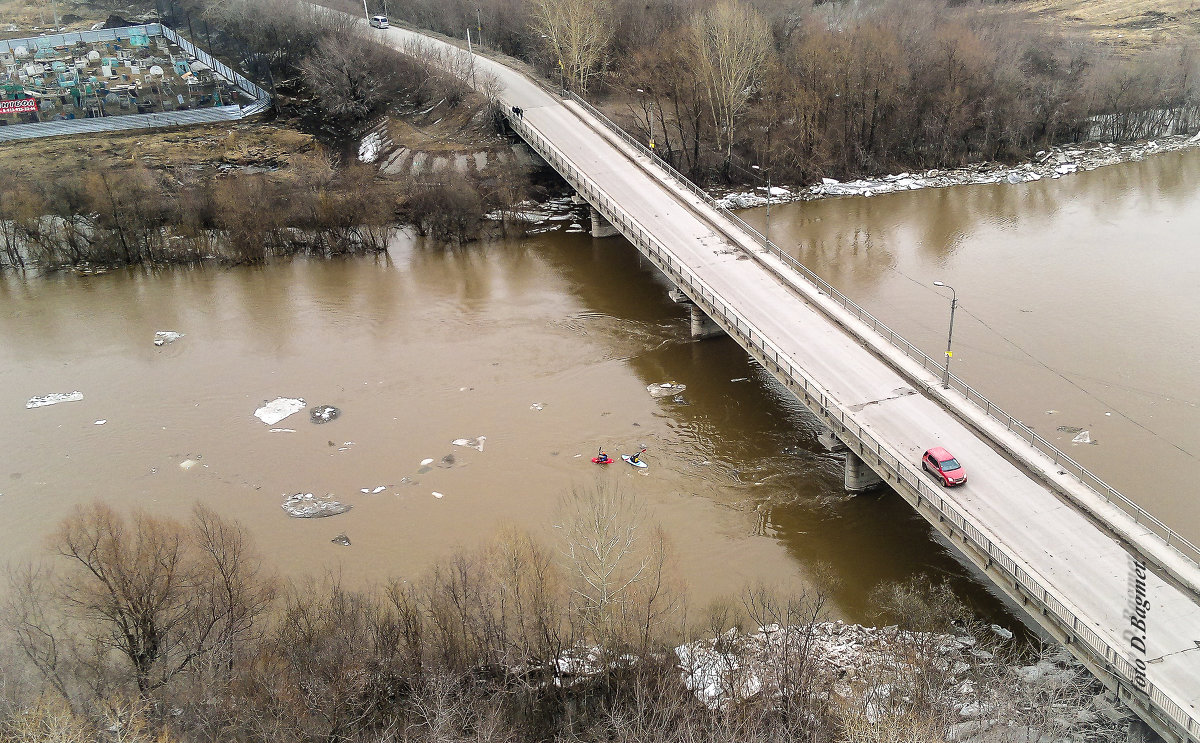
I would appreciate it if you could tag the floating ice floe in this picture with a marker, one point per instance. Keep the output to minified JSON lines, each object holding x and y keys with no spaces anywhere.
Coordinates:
{"x":323,"y":413}
{"x":376,"y":491}
{"x":308,"y":506}
{"x":162,"y":337}
{"x":53,"y":399}
{"x":341,"y":539}
{"x":436,"y":494}
{"x":278,"y":409}
{"x":537,"y":406}
{"x":1083,"y":437}
{"x":475,"y":443}
{"x":426,"y":462}
{"x":100,"y":422}
{"x":666,"y":389}
{"x":283,"y":430}
{"x":188,"y":464}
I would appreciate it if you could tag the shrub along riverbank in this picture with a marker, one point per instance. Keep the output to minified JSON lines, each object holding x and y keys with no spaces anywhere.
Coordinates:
{"x":144,"y":628}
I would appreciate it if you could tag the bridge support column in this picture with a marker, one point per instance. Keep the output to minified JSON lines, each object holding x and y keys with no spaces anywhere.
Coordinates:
{"x":601,"y":227}
{"x":703,"y":326}
{"x":859,"y":477}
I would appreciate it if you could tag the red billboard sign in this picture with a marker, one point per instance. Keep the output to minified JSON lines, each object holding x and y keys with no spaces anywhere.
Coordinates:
{"x":19,"y":106}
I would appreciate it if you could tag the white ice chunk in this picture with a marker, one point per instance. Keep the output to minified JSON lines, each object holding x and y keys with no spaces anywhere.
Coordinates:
{"x":436,"y":494}
{"x":54,"y":398}
{"x":306,"y":506}
{"x":666,"y":389}
{"x":475,"y":443}
{"x":278,"y":409}
{"x":1083,"y":437}
{"x":425,"y":462}
{"x":162,"y":337}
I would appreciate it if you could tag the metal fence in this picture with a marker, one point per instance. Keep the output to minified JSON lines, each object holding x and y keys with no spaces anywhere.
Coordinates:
{"x":261,"y":99}
{"x":80,"y":37}
{"x":1092,"y":481}
{"x":1103,"y":654}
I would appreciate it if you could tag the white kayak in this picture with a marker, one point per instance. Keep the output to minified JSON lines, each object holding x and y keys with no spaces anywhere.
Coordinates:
{"x":627,"y":458}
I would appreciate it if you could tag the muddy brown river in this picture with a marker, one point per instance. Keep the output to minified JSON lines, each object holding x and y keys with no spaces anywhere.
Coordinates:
{"x":545,"y":346}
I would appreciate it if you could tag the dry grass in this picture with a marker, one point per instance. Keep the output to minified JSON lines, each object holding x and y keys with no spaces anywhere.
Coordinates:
{"x":1128,"y":26}
{"x":243,"y":144}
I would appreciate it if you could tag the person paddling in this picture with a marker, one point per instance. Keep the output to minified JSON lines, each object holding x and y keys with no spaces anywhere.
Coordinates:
{"x":636,"y":458}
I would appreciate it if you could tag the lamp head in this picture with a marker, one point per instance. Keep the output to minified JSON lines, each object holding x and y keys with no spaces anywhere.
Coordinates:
{"x":938,"y":283}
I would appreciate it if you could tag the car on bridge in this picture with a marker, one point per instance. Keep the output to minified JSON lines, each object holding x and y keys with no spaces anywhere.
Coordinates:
{"x":942,"y":465}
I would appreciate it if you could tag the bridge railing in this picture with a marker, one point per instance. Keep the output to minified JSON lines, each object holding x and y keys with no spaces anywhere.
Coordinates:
{"x":1104,"y":654}
{"x":1091,"y":480}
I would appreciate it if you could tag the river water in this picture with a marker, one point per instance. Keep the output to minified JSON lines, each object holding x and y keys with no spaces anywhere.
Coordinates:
{"x":545,"y":345}
{"x":1077,"y":305}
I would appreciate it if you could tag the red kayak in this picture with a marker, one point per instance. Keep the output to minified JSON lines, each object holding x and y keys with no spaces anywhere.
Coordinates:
{"x":607,"y":460}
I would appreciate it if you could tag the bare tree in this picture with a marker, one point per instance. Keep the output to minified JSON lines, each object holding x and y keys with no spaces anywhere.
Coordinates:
{"x":732,"y":40}
{"x":159,"y":593}
{"x":619,"y":564}
{"x":577,"y":34}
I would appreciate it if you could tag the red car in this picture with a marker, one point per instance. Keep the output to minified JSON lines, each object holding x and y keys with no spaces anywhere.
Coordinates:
{"x":942,"y":464}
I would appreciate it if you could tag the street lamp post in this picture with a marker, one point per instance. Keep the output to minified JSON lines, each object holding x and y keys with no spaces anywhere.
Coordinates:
{"x":949,"y":335}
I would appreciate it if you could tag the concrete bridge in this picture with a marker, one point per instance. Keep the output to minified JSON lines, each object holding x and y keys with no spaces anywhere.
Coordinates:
{"x":1102,"y":576}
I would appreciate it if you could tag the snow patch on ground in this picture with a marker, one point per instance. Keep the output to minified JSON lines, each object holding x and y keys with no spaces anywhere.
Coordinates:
{"x":1054,"y":163}
{"x":369,"y":147}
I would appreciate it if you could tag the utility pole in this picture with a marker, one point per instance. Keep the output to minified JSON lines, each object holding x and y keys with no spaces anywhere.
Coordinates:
{"x":472,"y":54}
{"x":478,"y":26}
{"x":366,"y":13}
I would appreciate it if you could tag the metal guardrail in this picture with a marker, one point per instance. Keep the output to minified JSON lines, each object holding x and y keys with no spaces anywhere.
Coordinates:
{"x":1104,"y":654}
{"x":1089,"y":479}
{"x":261,"y":99}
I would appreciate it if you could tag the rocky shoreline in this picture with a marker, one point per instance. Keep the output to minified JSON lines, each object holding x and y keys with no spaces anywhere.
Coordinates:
{"x":1053,"y":164}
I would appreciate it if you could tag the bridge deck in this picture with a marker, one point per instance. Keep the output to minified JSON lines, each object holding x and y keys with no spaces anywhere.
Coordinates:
{"x":1085,"y":567}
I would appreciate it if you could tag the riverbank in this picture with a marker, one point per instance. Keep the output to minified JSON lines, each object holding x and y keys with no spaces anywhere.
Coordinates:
{"x":1053,"y":164}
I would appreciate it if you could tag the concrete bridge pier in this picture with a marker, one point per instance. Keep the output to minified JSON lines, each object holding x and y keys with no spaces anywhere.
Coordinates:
{"x":601,"y":227}
{"x":703,"y":326}
{"x":859,"y":477}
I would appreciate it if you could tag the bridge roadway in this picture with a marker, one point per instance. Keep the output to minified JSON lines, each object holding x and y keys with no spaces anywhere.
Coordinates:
{"x":1018,"y":518}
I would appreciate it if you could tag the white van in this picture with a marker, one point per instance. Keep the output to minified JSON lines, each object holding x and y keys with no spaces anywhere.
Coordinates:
{"x":379,"y":21}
